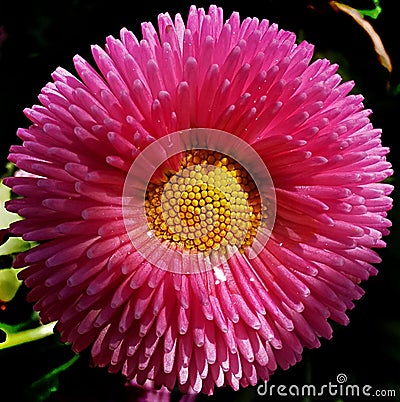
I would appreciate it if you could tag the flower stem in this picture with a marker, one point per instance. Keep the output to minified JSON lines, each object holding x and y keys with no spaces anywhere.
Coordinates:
{"x":29,"y":335}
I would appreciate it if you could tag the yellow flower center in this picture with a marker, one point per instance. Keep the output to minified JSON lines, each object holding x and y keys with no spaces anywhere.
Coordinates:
{"x":211,"y":202}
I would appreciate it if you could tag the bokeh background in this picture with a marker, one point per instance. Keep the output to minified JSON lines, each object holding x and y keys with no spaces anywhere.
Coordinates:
{"x":36,"y":37}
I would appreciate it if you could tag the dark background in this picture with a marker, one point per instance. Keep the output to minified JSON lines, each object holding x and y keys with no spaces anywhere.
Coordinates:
{"x":42,"y":35}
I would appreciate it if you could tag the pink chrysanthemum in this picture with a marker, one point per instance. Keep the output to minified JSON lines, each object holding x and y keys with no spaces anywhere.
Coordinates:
{"x":228,"y":327}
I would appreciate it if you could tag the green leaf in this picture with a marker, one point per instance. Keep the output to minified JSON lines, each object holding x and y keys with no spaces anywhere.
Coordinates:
{"x":396,"y":90}
{"x":29,"y":335}
{"x":14,"y":245}
{"x":9,"y":284}
{"x":12,"y":329}
{"x":45,"y":386}
{"x":6,"y":217}
{"x":374,"y":13}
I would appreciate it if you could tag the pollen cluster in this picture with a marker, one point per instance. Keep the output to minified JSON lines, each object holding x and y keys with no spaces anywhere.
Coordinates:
{"x":211,"y":202}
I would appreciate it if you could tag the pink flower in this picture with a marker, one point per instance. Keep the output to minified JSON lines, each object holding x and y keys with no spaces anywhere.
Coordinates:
{"x":235,"y":324}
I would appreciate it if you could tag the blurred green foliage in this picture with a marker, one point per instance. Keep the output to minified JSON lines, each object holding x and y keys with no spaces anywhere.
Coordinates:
{"x":36,"y":37}
{"x":374,"y":12}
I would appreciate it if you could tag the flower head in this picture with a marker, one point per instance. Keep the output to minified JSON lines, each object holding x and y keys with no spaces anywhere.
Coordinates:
{"x":260,"y":272}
